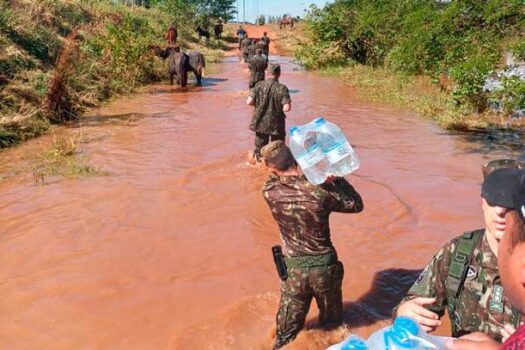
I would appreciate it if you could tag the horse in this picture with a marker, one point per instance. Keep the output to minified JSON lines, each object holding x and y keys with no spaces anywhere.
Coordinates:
{"x":286,"y":20}
{"x":203,"y":33}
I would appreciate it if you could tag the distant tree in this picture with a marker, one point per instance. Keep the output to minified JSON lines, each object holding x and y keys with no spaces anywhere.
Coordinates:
{"x":261,"y":20}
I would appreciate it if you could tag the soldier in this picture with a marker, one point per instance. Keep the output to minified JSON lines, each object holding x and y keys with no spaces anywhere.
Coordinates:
{"x":271,"y":100}
{"x":511,"y":259}
{"x":171,"y":35}
{"x":266,"y":47}
{"x":241,"y":33}
{"x":257,"y":65}
{"x":245,"y":46}
{"x":463,"y":278}
{"x":301,"y":210}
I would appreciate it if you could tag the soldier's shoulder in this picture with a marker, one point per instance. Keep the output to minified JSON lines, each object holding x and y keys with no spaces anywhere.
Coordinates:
{"x":270,"y":184}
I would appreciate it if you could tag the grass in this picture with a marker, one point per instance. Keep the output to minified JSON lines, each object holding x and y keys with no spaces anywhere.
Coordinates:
{"x":62,"y":159}
{"x":58,"y":58}
{"x":417,"y":94}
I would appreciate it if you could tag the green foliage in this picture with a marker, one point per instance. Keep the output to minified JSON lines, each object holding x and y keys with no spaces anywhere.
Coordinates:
{"x":466,"y":38}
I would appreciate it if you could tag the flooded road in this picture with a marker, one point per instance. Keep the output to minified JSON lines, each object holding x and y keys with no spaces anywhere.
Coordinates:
{"x":172,"y":249}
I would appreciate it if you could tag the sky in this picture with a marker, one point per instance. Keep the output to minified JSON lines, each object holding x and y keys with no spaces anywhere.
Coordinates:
{"x":275,"y":7}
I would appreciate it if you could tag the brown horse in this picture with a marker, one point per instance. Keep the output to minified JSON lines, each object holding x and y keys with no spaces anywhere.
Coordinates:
{"x":285,"y":21}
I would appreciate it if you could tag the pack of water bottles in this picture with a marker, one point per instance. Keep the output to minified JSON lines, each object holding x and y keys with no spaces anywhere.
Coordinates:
{"x":404,"y":334}
{"x":321,"y":149}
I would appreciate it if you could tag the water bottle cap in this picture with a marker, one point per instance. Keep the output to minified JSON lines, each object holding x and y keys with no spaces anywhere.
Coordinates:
{"x":293,"y":130}
{"x":354,"y":343}
{"x":403,"y":331}
{"x":406,"y":324}
{"x":319,"y":121}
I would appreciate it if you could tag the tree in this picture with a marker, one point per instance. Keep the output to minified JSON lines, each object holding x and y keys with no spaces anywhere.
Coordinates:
{"x":224,"y":9}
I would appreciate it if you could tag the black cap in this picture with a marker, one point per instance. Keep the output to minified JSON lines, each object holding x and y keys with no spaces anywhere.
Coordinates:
{"x":502,"y":186}
{"x":519,"y":197}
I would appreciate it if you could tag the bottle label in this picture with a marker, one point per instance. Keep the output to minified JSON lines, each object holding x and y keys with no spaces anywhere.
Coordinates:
{"x":339,"y":152}
{"x":313,"y":156}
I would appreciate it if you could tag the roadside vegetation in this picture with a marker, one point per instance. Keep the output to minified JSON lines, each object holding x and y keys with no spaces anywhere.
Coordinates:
{"x":60,"y":57}
{"x":435,"y":57}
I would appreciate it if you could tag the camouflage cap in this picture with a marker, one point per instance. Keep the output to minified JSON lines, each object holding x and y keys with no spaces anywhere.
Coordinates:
{"x":502,"y":186}
{"x":496,"y":164}
{"x":274,"y":68}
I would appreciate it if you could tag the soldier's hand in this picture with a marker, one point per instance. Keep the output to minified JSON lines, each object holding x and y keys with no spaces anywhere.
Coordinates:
{"x":415,"y":309}
{"x":473,"y":341}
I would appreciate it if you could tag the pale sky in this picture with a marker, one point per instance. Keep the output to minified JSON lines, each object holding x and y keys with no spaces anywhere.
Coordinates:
{"x":275,"y":7}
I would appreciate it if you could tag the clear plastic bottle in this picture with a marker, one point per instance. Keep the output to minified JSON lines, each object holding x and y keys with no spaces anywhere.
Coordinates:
{"x":353,"y":342}
{"x":309,"y":156}
{"x":336,"y":148}
{"x":405,"y":334}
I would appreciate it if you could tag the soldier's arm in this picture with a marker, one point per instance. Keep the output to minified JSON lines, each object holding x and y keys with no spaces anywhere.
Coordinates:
{"x":286,"y":100}
{"x":251,"y":98}
{"x":342,"y":197}
{"x":431,"y":283}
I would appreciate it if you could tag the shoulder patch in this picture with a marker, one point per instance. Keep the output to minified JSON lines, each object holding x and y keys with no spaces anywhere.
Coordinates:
{"x":472,"y":273}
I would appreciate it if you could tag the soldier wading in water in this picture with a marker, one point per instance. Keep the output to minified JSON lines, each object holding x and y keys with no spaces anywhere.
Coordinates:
{"x":257,"y":65}
{"x":313,"y":270}
{"x":271,"y":100}
{"x":463,"y":276}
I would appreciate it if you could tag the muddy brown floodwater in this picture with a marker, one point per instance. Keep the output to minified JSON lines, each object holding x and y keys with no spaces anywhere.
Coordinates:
{"x":172,"y":250}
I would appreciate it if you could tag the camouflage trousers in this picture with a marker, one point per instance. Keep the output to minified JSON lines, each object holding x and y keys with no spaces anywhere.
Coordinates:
{"x":262,"y":140}
{"x":322,"y":283}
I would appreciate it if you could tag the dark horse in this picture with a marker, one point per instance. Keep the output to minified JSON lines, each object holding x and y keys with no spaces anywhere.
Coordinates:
{"x":203,"y":33}
{"x":285,"y":21}
{"x":180,"y":63}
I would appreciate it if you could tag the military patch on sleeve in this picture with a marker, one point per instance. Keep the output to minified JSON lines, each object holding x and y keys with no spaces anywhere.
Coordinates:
{"x":496,"y":304}
{"x":472,"y":273}
{"x":421,"y":276}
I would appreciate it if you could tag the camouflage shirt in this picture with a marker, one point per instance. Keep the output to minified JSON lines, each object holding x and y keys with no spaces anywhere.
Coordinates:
{"x":270,"y":96}
{"x":301,"y":210}
{"x":257,"y":65}
{"x":482,"y":305}
{"x":245,"y":44}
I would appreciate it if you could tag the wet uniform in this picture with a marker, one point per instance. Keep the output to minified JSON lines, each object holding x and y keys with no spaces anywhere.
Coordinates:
{"x":257,"y":65}
{"x":481,"y":305}
{"x":301,"y":210}
{"x":268,"y":121}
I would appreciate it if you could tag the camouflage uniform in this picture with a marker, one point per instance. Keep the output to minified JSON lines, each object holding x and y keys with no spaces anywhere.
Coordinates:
{"x":301,"y":210}
{"x":481,"y":305}
{"x":268,"y":120}
{"x":257,"y":66}
{"x":245,"y":45}
{"x":266,"y":46}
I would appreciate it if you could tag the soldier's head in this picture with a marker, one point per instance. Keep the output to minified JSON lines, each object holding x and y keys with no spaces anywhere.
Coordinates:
{"x":274,"y":71}
{"x":265,"y":34}
{"x":511,"y":255}
{"x":497,"y":193}
{"x":278,"y":158}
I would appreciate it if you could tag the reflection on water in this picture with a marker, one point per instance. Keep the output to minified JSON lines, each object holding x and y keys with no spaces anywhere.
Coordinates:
{"x":173,"y":249}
